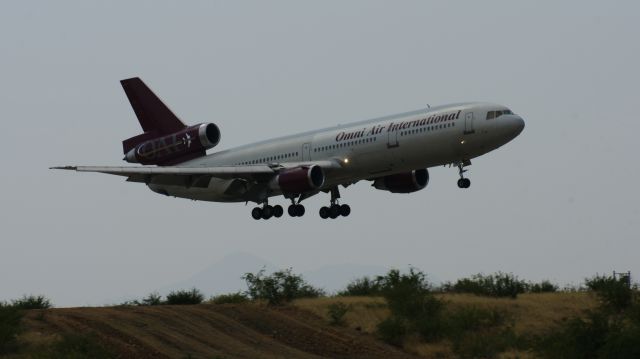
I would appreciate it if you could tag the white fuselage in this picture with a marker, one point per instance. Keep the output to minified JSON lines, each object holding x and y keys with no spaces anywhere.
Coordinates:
{"x":370,"y":149}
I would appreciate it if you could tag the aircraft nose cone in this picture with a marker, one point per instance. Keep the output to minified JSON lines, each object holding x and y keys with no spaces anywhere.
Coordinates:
{"x":514,"y":125}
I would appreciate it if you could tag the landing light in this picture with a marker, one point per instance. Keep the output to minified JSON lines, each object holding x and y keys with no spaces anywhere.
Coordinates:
{"x":462,"y":142}
{"x":346,"y":161}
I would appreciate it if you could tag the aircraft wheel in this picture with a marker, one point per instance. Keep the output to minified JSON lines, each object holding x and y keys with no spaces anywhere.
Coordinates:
{"x":324,"y":212}
{"x":256,"y":213}
{"x":292,"y":210}
{"x":299,"y":210}
{"x":267,"y":212}
{"x":334,"y":211}
{"x":345,"y":210}
{"x":277,"y":211}
{"x":467,"y":183}
{"x":461,"y":183}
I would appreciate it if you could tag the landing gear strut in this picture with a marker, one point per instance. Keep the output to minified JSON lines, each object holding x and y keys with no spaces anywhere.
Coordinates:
{"x":463,"y":182}
{"x":335,"y":209}
{"x":267,"y":211}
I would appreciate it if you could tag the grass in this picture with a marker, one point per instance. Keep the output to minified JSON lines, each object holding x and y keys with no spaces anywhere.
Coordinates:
{"x":529,"y":314}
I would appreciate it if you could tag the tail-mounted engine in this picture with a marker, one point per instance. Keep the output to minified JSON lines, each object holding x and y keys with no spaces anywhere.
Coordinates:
{"x":299,"y":180}
{"x":403,"y":182}
{"x":186,"y":144}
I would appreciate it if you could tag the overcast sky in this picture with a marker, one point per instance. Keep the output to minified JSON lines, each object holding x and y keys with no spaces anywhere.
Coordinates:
{"x":560,"y":202}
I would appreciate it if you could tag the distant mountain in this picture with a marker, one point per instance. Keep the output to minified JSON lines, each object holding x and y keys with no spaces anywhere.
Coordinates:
{"x":333,"y":278}
{"x":223,"y":276}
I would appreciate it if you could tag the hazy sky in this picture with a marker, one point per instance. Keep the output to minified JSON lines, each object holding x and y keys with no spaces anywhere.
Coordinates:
{"x":560,"y":202}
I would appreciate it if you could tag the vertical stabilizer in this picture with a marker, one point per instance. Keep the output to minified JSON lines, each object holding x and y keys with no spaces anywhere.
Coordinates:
{"x":152,"y":113}
{"x":154,"y":116}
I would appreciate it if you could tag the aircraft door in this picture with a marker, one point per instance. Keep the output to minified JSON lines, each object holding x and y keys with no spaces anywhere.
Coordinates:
{"x":306,"y":152}
{"x":392,"y":139}
{"x":468,"y":123}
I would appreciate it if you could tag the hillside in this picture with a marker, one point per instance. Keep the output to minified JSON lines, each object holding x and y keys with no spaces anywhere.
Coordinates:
{"x":205,"y":331}
{"x":252,"y":330}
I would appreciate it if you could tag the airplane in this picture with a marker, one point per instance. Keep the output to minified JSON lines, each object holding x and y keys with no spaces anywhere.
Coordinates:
{"x":392,"y":152}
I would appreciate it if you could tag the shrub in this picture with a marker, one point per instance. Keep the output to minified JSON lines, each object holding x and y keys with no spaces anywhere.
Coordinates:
{"x":472,"y":318}
{"x":10,"y":317}
{"x":336,"y":312}
{"x":180,"y":297}
{"x":495,"y":285}
{"x":32,"y":302}
{"x":364,"y":286}
{"x":280,"y":287}
{"x":613,"y":293}
{"x":413,"y":307}
{"x":152,"y":299}
{"x":231,"y":298}
{"x":393,"y":330}
{"x":543,"y":287}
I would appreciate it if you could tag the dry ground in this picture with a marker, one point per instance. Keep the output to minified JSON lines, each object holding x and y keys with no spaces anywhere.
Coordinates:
{"x":256,"y":331}
{"x":206,"y":331}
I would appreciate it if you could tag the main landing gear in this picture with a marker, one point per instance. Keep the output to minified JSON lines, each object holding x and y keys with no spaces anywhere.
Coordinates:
{"x":463,"y":182}
{"x":267,"y":211}
{"x":335,"y":210}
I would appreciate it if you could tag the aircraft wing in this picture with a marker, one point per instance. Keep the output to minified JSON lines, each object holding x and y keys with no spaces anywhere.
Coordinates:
{"x":258,"y":173}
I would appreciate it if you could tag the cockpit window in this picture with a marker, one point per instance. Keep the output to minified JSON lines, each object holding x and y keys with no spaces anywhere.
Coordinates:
{"x":495,"y":114}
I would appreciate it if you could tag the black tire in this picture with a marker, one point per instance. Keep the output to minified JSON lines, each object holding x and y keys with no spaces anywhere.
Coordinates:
{"x":467,"y":183}
{"x":345,"y":210}
{"x":292,"y":210}
{"x":277,"y":211}
{"x":256,"y":213}
{"x":461,"y":183}
{"x":334,"y":211}
{"x":267,"y":212}
{"x":324,"y":212}
{"x":299,"y":210}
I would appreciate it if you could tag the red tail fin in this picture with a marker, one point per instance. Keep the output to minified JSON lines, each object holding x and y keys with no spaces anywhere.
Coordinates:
{"x":154,"y":116}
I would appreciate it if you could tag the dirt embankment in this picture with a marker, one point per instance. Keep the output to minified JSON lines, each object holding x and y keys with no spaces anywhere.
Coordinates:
{"x":208,"y":331}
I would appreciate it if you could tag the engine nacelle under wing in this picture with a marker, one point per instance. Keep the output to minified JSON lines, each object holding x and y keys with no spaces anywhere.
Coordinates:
{"x":299,"y":179}
{"x":403,"y":182}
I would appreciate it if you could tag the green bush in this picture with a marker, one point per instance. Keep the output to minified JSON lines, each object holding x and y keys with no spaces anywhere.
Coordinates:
{"x":543,"y":287}
{"x":10,"y":317}
{"x":182,"y":297}
{"x":152,"y":299}
{"x":393,"y":330}
{"x":364,"y":286}
{"x":472,"y":318}
{"x":336,"y":312}
{"x":495,"y":285}
{"x":613,"y":293}
{"x":413,"y":307}
{"x":280,"y":287}
{"x":231,"y":298}
{"x":32,"y":302}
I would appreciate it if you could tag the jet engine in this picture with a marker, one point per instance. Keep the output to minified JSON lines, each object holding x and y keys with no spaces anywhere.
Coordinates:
{"x":403,"y":182}
{"x":186,"y":144}
{"x":299,"y":180}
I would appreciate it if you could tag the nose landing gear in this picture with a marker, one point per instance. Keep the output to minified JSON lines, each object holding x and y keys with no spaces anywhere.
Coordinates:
{"x":463,"y":182}
{"x":335,"y":210}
